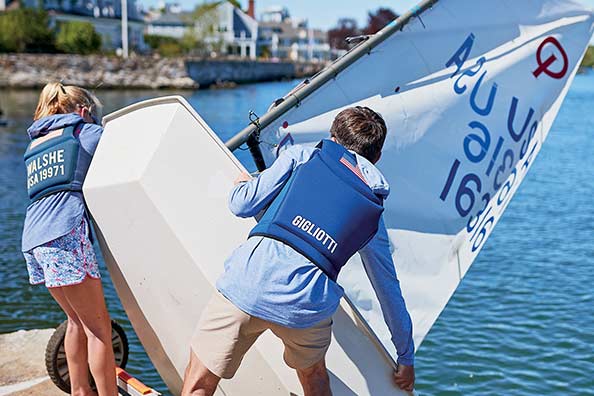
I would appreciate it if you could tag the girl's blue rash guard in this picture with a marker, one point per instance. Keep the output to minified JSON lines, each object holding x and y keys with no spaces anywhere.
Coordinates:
{"x":56,"y":215}
{"x":268,"y":279}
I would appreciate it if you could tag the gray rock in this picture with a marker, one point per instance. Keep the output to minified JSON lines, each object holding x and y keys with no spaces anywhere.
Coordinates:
{"x":36,"y":70}
{"x":23,"y":355}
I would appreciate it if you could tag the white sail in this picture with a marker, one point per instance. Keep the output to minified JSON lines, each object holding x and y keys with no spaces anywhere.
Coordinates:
{"x":469,"y":91}
{"x":165,"y":248}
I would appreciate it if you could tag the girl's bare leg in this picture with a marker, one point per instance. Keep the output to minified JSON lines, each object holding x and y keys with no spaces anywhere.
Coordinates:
{"x":75,"y":344}
{"x":87,"y":301}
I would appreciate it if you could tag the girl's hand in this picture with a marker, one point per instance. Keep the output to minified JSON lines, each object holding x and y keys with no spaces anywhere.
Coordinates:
{"x":242,"y":178}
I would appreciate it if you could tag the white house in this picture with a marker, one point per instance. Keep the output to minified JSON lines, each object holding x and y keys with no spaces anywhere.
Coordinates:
{"x":281,"y":37}
{"x":225,"y":27}
{"x":236,"y":30}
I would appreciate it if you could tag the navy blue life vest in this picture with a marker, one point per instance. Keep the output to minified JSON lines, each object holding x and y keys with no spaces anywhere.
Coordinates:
{"x":325,"y":211}
{"x":55,"y":162}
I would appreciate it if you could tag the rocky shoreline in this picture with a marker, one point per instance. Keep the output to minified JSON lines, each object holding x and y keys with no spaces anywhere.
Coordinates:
{"x":33,"y":71}
{"x":22,"y":364}
{"x":93,"y":71}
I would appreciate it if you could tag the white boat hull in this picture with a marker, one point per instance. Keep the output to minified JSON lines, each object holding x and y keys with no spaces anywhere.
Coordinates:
{"x":157,"y":190}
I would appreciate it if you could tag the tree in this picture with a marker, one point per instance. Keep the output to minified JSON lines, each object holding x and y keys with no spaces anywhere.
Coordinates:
{"x":190,"y":43}
{"x":206,"y":19}
{"x":205,"y":28}
{"x":377,"y":20}
{"x":78,"y":38}
{"x":25,"y":30}
{"x":346,"y":27}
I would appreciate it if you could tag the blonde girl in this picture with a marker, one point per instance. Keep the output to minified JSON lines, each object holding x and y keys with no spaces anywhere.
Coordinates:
{"x":56,"y":235}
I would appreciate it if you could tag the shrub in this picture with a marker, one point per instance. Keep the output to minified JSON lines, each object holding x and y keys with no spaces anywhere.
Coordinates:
{"x":170,"y":49}
{"x":25,"y":30}
{"x":78,"y":38}
{"x":154,"y":40}
{"x":589,"y":58}
{"x":170,"y":46}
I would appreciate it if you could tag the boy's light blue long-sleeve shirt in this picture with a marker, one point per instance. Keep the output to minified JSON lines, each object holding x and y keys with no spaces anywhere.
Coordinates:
{"x":268,"y":279}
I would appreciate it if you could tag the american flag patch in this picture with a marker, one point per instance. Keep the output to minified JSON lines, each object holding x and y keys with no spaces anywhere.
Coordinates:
{"x":352,"y":166}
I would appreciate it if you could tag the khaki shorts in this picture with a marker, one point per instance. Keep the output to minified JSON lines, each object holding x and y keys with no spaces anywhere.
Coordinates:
{"x":225,"y":333}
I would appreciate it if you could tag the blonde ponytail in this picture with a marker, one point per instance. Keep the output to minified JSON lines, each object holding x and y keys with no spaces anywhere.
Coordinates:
{"x":56,"y":98}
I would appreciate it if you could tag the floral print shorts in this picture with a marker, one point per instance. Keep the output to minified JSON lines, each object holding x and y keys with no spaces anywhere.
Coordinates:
{"x":65,"y":261}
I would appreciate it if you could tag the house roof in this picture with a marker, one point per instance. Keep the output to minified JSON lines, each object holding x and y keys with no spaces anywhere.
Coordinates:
{"x":172,"y":19}
{"x":285,"y":30}
{"x":89,"y":8}
{"x":241,"y":22}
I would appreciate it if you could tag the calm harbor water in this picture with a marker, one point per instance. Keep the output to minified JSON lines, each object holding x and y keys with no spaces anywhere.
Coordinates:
{"x":522,"y":321}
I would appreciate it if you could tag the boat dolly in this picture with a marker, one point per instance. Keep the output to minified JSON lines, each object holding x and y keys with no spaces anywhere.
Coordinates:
{"x":57,"y":367}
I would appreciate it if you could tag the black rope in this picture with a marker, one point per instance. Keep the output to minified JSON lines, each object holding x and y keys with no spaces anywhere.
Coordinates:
{"x":253,"y":141}
{"x":255,"y":121}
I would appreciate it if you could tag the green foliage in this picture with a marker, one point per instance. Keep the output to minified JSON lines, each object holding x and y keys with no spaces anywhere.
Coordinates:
{"x":199,"y":39}
{"x":266,"y":54}
{"x":78,"y":38}
{"x":154,"y":40}
{"x":190,"y":42}
{"x":205,"y":19}
{"x":170,"y":49}
{"x":205,"y":8}
{"x":202,"y":36}
{"x":589,"y":58}
{"x":169,"y":46}
{"x":25,"y":30}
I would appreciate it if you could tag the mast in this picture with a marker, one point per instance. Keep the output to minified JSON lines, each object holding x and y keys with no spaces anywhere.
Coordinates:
{"x":125,"y":29}
{"x":329,"y":73}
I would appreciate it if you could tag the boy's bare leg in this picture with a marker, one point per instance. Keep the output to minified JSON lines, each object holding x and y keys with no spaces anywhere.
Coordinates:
{"x":315,"y":380}
{"x":198,"y":380}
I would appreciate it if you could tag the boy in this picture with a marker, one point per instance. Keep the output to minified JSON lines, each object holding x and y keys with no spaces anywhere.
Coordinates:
{"x":322,"y":204}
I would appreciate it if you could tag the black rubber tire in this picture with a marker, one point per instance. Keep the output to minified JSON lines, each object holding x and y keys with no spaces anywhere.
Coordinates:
{"x":55,"y":359}
{"x":55,"y":355}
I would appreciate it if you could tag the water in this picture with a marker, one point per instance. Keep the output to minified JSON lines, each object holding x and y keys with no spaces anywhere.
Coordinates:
{"x":522,"y":321}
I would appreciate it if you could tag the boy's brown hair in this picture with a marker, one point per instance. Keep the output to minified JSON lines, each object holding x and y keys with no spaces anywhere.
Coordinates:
{"x":362,"y":130}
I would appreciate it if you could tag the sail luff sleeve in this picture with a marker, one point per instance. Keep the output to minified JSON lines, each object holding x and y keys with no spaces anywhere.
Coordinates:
{"x":329,"y":73}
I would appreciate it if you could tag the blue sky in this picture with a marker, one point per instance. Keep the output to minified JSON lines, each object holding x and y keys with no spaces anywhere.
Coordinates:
{"x":324,"y":13}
